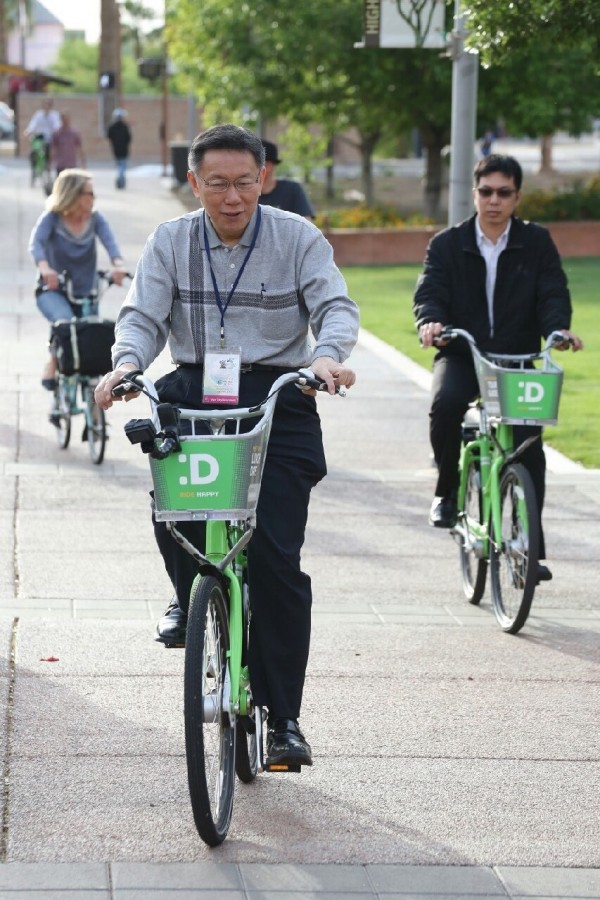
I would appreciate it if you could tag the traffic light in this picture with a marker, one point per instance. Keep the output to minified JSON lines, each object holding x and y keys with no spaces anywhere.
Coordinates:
{"x":106,"y":81}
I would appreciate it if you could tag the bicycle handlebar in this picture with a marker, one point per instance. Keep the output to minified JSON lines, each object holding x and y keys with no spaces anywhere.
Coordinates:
{"x":166,"y":417}
{"x":554,"y":339}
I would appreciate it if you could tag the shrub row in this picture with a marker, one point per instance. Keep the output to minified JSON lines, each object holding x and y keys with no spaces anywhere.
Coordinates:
{"x":578,"y":203}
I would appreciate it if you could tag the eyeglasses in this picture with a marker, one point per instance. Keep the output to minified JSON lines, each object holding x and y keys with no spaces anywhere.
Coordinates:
{"x":503,"y":192}
{"x":220,"y":185}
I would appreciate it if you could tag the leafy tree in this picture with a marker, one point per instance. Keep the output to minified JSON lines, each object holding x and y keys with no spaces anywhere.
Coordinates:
{"x":500,"y":29}
{"x":270,"y":59}
{"x":78,"y":62}
{"x":540,"y":93}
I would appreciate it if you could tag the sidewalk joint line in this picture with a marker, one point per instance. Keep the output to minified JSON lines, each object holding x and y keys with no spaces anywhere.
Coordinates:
{"x":9,"y":732}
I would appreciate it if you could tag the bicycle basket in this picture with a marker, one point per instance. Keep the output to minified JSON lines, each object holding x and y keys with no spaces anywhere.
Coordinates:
{"x":83,"y":345}
{"x":212,"y":477}
{"x":520,"y":396}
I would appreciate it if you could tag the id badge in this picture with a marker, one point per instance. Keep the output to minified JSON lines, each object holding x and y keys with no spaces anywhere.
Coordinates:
{"x":221,"y":382}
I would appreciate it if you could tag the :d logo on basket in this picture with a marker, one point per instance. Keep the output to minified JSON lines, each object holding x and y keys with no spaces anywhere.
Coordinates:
{"x":533,"y":392}
{"x":204,"y":469}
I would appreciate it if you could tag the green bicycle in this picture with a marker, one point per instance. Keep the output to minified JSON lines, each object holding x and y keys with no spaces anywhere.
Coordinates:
{"x":498,"y":523}
{"x":204,"y":468}
{"x":40,"y":166}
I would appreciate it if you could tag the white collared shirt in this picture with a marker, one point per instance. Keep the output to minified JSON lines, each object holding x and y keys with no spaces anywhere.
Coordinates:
{"x":490,"y":252}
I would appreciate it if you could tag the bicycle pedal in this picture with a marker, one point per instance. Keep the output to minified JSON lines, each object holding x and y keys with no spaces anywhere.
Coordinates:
{"x":282,"y":767}
{"x":172,"y":646}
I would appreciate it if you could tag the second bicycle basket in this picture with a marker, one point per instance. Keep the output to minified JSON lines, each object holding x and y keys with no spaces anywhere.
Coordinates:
{"x":519,"y":395}
{"x":211,"y":477}
{"x":83,"y":345}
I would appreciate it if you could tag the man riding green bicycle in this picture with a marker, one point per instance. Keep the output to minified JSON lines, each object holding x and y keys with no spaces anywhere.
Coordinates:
{"x":501,"y":279}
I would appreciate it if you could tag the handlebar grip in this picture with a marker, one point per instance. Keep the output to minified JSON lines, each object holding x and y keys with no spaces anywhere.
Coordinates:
{"x":318,"y":385}
{"x":128,"y":384}
{"x":127,"y":388}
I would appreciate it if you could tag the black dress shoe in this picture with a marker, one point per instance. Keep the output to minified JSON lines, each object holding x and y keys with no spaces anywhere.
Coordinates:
{"x":443,"y":512}
{"x":543,"y":573}
{"x":286,"y":745}
{"x":172,"y":627}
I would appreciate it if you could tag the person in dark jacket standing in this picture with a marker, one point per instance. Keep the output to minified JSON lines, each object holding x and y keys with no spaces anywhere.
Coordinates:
{"x":119,"y":135}
{"x":283,"y":193}
{"x":501,"y":279}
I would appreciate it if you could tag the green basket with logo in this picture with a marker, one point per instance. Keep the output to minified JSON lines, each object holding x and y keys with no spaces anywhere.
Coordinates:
{"x":211,"y":477}
{"x":521,"y":396}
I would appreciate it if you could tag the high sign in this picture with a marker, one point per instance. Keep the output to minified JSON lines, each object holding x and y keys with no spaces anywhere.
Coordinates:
{"x":404,"y":23}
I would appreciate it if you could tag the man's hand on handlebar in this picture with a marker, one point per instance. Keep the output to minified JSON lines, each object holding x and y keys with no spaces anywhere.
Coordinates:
{"x":429,"y":334}
{"x":571,"y":340}
{"x":332,"y":373}
{"x":103,"y":394}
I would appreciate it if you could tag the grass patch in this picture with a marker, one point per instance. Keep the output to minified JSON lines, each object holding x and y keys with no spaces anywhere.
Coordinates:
{"x":384,"y":294}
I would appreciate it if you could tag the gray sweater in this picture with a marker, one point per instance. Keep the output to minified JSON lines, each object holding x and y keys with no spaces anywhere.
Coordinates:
{"x":289,"y":288}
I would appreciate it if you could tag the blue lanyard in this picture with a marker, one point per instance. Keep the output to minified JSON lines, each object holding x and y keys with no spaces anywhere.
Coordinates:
{"x":223,"y":306}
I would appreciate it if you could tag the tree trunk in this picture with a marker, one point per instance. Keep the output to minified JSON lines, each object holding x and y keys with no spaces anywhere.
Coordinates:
{"x":367,"y":146}
{"x":109,"y":57}
{"x":329,"y":169}
{"x":434,"y":177}
{"x":546,"y":167}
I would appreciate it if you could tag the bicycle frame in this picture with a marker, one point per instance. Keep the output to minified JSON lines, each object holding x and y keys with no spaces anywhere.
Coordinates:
{"x":491,"y":453}
{"x":228,"y":531}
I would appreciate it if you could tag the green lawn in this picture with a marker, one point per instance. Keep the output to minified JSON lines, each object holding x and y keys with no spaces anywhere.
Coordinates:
{"x":384,"y":294}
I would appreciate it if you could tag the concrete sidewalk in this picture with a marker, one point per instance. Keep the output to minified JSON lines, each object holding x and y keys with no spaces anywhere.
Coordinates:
{"x":451,"y":760}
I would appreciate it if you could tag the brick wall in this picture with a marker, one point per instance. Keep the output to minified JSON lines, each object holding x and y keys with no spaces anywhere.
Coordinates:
{"x":144,"y":116}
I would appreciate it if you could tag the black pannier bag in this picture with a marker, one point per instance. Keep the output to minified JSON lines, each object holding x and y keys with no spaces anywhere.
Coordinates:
{"x":83,"y":345}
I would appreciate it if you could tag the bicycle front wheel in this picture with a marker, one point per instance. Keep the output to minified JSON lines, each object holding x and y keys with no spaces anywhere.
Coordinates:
{"x":472,"y":565}
{"x":514,"y":553}
{"x":96,"y":433}
{"x":61,"y":415}
{"x":209,"y":725}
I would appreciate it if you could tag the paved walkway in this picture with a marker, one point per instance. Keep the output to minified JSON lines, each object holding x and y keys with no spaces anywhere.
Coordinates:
{"x":451,"y":760}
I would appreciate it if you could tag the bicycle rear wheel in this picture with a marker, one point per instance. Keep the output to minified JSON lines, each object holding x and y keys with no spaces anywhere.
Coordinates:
{"x":61,"y":414}
{"x":209,"y":726}
{"x":473,"y":566}
{"x":514,"y":553}
{"x":246,"y":753}
{"x":96,"y":434}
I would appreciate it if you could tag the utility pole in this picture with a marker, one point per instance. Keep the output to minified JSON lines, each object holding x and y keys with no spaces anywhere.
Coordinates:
{"x":465,"y":70}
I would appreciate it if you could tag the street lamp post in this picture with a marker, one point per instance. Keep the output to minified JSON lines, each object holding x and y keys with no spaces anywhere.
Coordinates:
{"x":465,"y":70}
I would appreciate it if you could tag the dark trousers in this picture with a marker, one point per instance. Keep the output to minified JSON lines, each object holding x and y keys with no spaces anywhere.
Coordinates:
{"x":454,"y":387}
{"x":280,"y":593}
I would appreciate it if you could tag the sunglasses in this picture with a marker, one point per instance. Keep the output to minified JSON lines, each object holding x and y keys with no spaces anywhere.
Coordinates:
{"x":503,"y":192}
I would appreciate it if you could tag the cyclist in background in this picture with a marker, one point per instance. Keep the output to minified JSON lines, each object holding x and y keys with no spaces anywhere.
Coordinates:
{"x":501,"y":279}
{"x":43,"y":124}
{"x":64,"y":238}
{"x":247,"y":283}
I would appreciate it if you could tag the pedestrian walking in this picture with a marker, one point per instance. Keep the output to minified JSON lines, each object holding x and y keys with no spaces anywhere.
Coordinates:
{"x":119,"y":135}
{"x":66,"y":148}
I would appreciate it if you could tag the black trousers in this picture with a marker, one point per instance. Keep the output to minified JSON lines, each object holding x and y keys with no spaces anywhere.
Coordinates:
{"x":454,"y":387}
{"x":280,"y":592}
